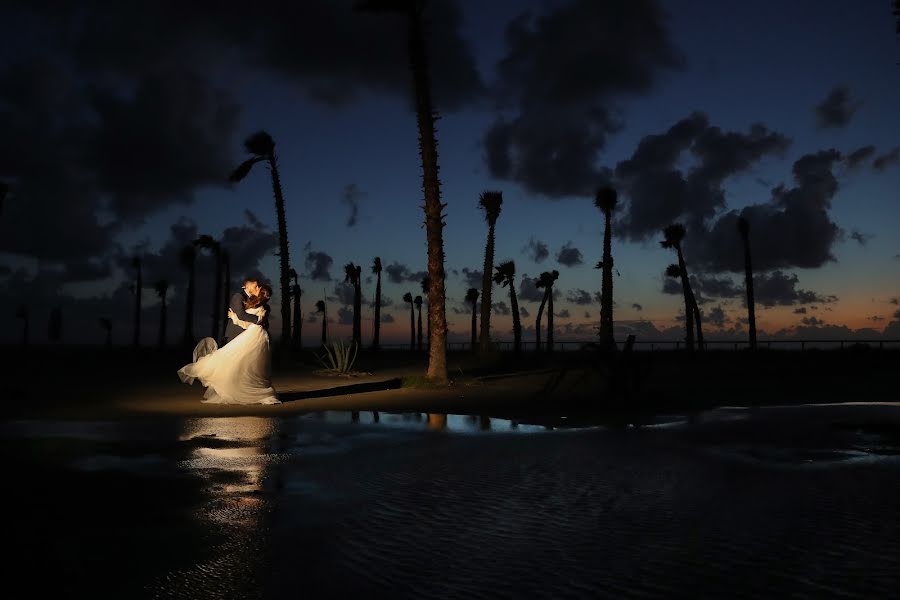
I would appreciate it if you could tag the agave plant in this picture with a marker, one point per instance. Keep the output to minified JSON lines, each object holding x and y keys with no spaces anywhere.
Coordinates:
{"x":340,"y":357}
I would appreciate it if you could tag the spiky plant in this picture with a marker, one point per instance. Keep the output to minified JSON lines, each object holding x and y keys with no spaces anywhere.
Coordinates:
{"x":472,"y":298}
{"x":340,"y":357}
{"x":606,"y":200}
{"x":505,"y":276}
{"x":261,"y":147}
{"x":490,"y":202}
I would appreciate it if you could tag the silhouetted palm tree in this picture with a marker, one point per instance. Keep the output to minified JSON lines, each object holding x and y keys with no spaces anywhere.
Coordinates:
{"x":490,"y":202}
{"x":22,"y":313}
{"x":209,"y":243}
{"x":296,"y":293}
{"x":353,"y":275}
{"x":407,"y":297}
{"x":418,"y":302}
{"x":472,"y":298}
{"x":138,"y":288}
{"x":434,"y":218}
{"x":606,"y":201}
{"x":376,"y":336}
{"x":544,"y":282}
{"x":554,"y":275}
{"x":320,"y":308}
{"x":896,"y":12}
{"x":262,"y":147}
{"x":187,"y":257}
{"x":744,"y":230}
{"x":106,"y":324}
{"x":673,"y":236}
{"x":162,"y":288}
{"x":505,"y":276}
{"x":426,"y":283}
{"x":226,"y":288}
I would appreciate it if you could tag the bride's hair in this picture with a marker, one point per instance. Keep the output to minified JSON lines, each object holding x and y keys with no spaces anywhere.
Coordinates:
{"x":265,"y":292}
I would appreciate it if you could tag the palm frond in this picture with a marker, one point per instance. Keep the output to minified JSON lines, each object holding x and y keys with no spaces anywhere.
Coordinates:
{"x":673,"y":271}
{"x":243,"y":169}
{"x":490,"y":202}
{"x":407,"y":297}
{"x":606,"y":199}
{"x":260,"y":144}
{"x":472,"y":295}
{"x":376,"y":265}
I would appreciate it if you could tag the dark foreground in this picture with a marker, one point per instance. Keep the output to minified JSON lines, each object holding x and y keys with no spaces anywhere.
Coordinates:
{"x":743,"y":503}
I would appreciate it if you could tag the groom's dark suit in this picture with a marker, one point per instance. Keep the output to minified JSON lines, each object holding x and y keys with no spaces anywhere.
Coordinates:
{"x":237,"y":305}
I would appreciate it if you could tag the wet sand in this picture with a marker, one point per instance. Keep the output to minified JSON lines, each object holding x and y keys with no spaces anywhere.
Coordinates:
{"x":733,"y":503}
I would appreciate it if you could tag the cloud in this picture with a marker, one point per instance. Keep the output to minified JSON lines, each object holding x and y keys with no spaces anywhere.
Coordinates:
{"x":500,"y":308}
{"x":800,"y":311}
{"x":579,"y":296}
{"x":564,"y":314}
{"x":637,"y":307}
{"x":351,"y":197}
{"x":523,"y":312}
{"x":345,"y":315}
{"x":837,"y":109}
{"x":569,"y":256}
{"x":861,"y":238}
{"x":398,"y":273}
{"x":780,"y":289}
{"x":859,"y":156}
{"x":887,"y":159}
{"x":387,"y":318}
{"x":536,"y":250}
{"x":473,"y":278}
{"x":659,"y":192}
{"x":318,"y":265}
{"x":716,"y":316}
{"x":343,"y":293}
{"x":560,"y":107}
{"x":529,"y":292}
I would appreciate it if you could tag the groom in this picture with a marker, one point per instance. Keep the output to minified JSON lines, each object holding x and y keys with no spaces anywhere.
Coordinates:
{"x":250,"y":288}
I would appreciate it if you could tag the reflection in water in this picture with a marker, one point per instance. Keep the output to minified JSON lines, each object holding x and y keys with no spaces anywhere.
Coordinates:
{"x":437,"y":421}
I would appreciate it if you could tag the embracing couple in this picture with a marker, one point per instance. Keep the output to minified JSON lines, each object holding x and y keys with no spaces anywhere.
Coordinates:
{"x":240,"y":372}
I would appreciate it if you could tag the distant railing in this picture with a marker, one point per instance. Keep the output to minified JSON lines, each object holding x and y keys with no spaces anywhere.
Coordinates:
{"x":572,"y":345}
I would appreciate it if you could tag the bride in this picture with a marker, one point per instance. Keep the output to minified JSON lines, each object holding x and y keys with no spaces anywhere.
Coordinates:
{"x":239,"y":372}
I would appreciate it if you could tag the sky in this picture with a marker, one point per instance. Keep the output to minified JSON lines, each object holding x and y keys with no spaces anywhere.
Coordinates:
{"x":119,"y":127}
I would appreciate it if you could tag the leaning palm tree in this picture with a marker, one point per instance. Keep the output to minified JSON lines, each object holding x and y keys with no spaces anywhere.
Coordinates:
{"x":106,"y":325}
{"x":554,"y":275}
{"x":673,"y":235}
{"x":376,"y":336}
{"x":188,"y":257}
{"x":262,"y":147}
{"x":544,"y":282}
{"x":22,"y":313}
{"x":505,"y":276}
{"x":320,"y":308}
{"x":207,"y":242}
{"x":472,"y":298}
{"x":606,"y":200}
{"x":162,"y":289}
{"x":418,"y":302}
{"x":353,"y":275}
{"x":490,"y":202}
{"x":296,"y":293}
{"x":138,"y":288}
{"x":744,"y":229}
{"x":434,"y":218}
{"x":407,"y":297}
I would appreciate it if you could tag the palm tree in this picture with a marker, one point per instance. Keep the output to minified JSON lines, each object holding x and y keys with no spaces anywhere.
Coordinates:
{"x":744,"y":229}
{"x":505,"y":276}
{"x":262,"y":147}
{"x":138,"y":288}
{"x":426,"y":283}
{"x":320,"y":308}
{"x":434,"y":218}
{"x":490,"y":202}
{"x":407,"y":297}
{"x":296,"y":293}
{"x":226,"y":287}
{"x":418,"y":302}
{"x":209,"y":243}
{"x":376,"y":268}
{"x":673,"y":236}
{"x":162,"y":288}
{"x":606,"y":200}
{"x":472,"y":298}
{"x":554,"y":275}
{"x":353,"y":275}
{"x":545,"y":282}
{"x":187,"y":258}
{"x":106,"y":324}
{"x":22,"y":313}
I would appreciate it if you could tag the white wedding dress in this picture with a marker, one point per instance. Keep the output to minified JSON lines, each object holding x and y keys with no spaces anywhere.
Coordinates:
{"x":240,"y":372}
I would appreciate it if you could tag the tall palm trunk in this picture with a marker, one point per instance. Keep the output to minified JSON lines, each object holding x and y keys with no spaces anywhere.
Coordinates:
{"x":748,"y":281}
{"x":474,"y":326}
{"x":162,"y":323}
{"x":226,"y":287}
{"x":297,"y":331}
{"x":357,"y":311}
{"x":698,"y":322}
{"x":412,"y":327}
{"x":550,"y":319}
{"x":517,"y":323}
{"x":138,"y":288}
{"x":283,"y":257}
{"x":537,"y":322}
{"x":607,"y":340}
{"x":376,"y":337}
{"x":419,"y":329}
{"x":486,"y":283}
{"x":434,"y":220}
{"x":688,"y":302}
{"x":189,"y":309}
